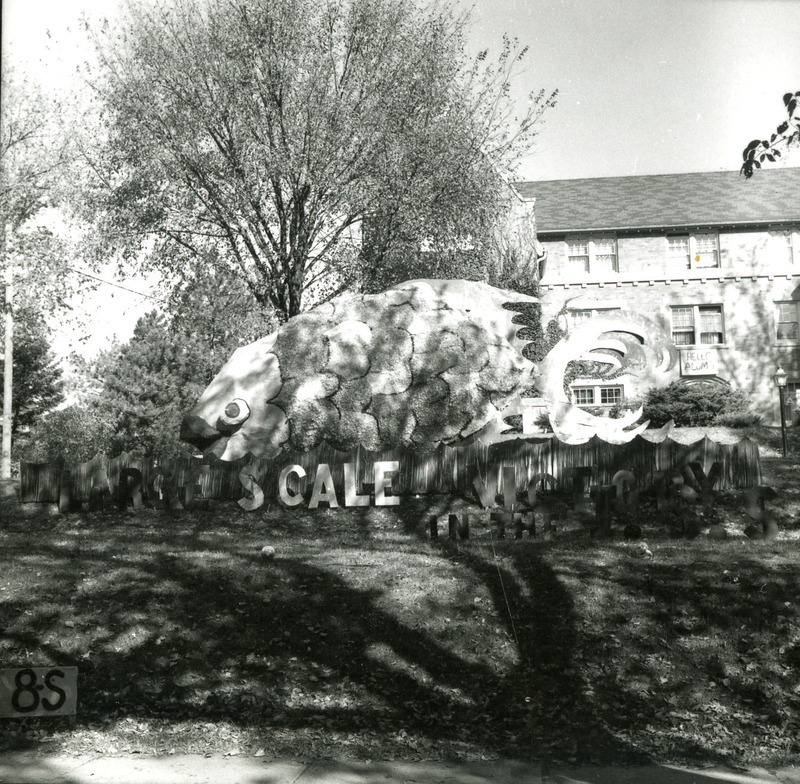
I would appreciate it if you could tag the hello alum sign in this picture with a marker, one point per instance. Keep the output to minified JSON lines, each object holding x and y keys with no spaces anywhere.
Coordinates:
{"x":699,"y":362}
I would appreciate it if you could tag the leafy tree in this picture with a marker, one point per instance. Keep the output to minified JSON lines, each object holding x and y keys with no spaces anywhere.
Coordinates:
{"x":517,"y":258}
{"x":786,"y":134}
{"x":147,"y":385}
{"x":28,"y":156}
{"x":31,"y":155}
{"x":268,"y":136}
{"x":218,"y":314}
{"x":37,"y":376}
{"x":75,"y":433}
{"x":504,"y":252}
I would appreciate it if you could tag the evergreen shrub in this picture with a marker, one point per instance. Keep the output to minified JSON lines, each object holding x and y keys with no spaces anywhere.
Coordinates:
{"x":739,"y":419}
{"x":698,"y":405}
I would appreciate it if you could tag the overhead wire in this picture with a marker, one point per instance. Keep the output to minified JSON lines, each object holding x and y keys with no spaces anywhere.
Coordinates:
{"x":116,"y":285}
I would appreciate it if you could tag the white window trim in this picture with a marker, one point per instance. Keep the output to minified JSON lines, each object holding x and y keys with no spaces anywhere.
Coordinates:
{"x":591,"y":243}
{"x":696,"y":324}
{"x":794,"y":244}
{"x":596,"y":387}
{"x":597,"y":310}
{"x":785,"y":341}
{"x":693,"y":263}
{"x":580,"y":388}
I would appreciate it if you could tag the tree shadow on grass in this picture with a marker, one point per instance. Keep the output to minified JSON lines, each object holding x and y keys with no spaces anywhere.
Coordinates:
{"x":547,"y":693}
{"x":183,"y":621}
{"x":712,"y":627}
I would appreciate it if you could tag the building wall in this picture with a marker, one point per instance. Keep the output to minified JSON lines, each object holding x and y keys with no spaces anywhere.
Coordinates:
{"x":756,"y":270}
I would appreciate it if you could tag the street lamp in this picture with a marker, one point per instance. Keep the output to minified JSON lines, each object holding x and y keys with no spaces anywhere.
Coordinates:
{"x":780,"y":381}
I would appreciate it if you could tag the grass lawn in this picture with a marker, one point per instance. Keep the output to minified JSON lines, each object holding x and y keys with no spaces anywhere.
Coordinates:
{"x":362,"y":638}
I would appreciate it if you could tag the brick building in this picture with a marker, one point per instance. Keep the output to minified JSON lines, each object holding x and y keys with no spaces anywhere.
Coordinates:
{"x":712,"y":258}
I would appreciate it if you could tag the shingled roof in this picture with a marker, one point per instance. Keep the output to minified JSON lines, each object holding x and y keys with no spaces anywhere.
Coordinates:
{"x":665,"y":201}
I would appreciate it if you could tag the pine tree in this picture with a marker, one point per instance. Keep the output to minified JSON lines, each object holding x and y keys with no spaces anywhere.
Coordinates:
{"x":37,"y":376}
{"x":149,"y":383}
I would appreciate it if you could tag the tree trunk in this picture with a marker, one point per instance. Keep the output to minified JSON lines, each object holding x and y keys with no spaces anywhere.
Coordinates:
{"x":8,"y":412}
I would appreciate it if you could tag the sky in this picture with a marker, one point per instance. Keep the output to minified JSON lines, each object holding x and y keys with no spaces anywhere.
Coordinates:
{"x":651,"y":86}
{"x":645,"y":86}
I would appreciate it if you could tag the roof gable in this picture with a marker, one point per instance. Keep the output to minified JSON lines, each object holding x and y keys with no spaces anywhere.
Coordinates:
{"x":665,"y":201}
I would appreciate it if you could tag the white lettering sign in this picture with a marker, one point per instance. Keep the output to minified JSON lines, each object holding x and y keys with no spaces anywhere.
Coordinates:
{"x":382,"y":473}
{"x":324,"y":489}
{"x":286,"y":498}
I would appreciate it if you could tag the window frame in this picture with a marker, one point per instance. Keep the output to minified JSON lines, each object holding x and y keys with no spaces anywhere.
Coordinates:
{"x":696,"y":328}
{"x":684,"y":261}
{"x":593,"y":312}
{"x":693,"y":258}
{"x":578,"y":390}
{"x":571,"y":257}
{"x":791,"y":239}
{"x":592,"y":265}
{"x":596,"y":391}
{"x":787,"y":341}
{"x":615,"y":389}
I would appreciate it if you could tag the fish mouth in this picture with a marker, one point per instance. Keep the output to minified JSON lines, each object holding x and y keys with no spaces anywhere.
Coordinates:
{"x":197,"y":432}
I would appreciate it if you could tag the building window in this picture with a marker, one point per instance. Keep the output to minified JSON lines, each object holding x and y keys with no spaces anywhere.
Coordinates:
{"x":584,"y":314}
{"x":683,"y":326}
{"x":710,"y":325}
{"x":578,"y":256}
{"x":595,"y":254}
{"x":695,"y":251}
{"x":679,"y":251}
{"x":697,"y":324}
{"x":610,"y":395}
{"x":605,"y":254}
{"x":783,"y":247}
{"x":788,"y":320}
{"x":706,"y":251}
{"x":590,"y":396}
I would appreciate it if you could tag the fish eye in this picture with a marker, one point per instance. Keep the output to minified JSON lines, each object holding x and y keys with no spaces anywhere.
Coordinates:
{"x":236,"y":412}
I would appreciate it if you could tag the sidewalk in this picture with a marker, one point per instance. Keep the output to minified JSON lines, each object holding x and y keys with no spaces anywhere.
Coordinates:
{"x":27,"y":768}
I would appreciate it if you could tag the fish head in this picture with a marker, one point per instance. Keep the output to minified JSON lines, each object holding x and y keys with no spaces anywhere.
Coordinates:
{"x":234,"y":416}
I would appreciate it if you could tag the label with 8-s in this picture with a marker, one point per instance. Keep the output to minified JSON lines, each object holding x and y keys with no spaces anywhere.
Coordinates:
{"x":38,"y":691}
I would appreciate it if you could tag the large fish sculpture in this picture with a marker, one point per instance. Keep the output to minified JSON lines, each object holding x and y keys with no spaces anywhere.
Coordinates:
{"x":421,"y":364}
